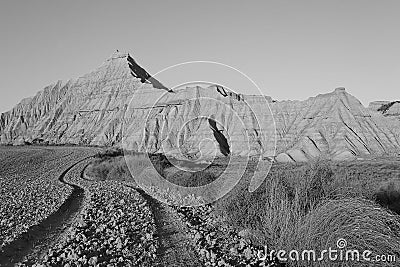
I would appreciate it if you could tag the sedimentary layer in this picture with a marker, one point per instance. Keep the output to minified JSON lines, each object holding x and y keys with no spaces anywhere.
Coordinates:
{"x":120,"y":104}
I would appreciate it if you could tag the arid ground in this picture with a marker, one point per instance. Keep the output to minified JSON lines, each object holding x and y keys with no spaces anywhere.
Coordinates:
{"x":76,"y":206}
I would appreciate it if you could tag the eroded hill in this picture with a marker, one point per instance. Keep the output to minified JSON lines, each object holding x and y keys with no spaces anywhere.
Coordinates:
{"x":119,"y":103}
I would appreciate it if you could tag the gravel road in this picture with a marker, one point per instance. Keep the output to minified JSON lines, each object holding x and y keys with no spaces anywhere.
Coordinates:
{"x":176,"y":247}
{"x":50,"y":216}
{"x":37,"y":205}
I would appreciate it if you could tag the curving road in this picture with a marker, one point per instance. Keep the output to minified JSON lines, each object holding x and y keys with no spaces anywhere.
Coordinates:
{"x":35,"y":187}
{"x":18,"y":165}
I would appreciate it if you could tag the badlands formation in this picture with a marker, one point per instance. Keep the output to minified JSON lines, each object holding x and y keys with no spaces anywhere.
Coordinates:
{"x":120,"y":104}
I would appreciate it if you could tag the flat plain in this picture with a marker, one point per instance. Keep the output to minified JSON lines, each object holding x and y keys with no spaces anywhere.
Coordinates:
{"x":80,"y":206}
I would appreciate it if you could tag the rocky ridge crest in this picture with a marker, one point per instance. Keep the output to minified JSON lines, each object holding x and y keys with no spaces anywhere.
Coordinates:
{"x":98,"y":108}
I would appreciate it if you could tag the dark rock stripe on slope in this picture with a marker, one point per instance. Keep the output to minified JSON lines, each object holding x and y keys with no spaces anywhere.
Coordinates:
{"x":96,"y":109}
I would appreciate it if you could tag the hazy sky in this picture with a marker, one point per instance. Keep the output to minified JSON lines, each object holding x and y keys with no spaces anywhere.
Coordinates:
{"x":291,"y":49}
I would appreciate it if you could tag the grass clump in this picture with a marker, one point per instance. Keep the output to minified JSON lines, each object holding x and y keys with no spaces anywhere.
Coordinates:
{"x":295,"y":190}
{"x":310,"y":206}
{"x":388,"y":195}
{"x":362,"y":223}
{"x":110,"y":152}
{"x":108,"y":169}
{"x":112,"y":164}
{"x":193,"y":179}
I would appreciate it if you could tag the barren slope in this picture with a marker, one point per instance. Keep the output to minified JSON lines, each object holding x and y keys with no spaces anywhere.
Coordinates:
{"x":96,"y":109}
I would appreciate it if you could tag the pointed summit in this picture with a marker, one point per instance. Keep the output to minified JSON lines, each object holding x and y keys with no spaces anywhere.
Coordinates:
{"x":121,"y":64}
{"x":118,"y":54}
{"x":340,"y":89}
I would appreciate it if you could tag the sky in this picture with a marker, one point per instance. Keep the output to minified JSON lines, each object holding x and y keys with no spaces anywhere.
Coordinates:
{"x":290,"y":49}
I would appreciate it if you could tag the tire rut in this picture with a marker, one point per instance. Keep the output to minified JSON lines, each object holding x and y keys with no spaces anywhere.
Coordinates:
{"x":38,"y":237}
{"x":175,"y":245}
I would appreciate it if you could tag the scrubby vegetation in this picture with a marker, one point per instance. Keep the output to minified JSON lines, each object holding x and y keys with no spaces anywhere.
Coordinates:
{"x":300,"y":206}
{"x":109,"y":153}
{"x":361,"y":223}
{"x":111,"y":164}
{"x":310,"y":206}
{"x":193,"y":179}
{"x":108,"y":169}
{"x":388,"y":195}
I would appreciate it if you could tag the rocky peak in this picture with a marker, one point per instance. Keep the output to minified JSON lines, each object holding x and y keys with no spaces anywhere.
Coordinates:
{"x":118,"y":54}
{"x":340,"y":89}
{"x":122,"y":66}
{"x":95,"y":108}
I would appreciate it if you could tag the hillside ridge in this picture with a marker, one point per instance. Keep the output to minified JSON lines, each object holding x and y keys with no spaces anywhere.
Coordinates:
{"x":121,"y":104}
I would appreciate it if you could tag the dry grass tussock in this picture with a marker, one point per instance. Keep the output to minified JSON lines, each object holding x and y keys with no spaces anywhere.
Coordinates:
{"x":307,"y":206}
{"x":310,"y":206}
{"x":362,"y":223}
{"x":112,"y":164}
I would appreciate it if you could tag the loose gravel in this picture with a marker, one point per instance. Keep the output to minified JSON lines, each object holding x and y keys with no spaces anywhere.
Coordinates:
{"x":115,"y":228}
{"x":29,"y":189}
{"x":218,"y":244}
{"x":114,"y":225}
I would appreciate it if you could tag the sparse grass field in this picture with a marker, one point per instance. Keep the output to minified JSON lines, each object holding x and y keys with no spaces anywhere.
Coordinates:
{"x":311,"y":205}
{"x":111,"y":164}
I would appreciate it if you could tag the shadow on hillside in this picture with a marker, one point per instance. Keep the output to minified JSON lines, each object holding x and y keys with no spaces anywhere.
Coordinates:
{"x":138,"y":72}
{"x":219,"y":136}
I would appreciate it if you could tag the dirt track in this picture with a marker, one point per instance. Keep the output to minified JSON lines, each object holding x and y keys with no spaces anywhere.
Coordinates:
{"x":30,"y":165}
{"x":176,"y":247}
{"x":56,"y":168}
